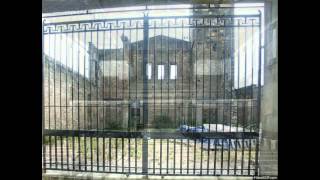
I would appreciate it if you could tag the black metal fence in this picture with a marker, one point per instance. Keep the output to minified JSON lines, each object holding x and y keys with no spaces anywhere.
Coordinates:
{"x":170,"y":95}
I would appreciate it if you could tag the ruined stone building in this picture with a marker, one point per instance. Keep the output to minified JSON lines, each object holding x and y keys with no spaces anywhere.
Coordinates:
{"x":182,"y":81}
{"x":188,"y":81}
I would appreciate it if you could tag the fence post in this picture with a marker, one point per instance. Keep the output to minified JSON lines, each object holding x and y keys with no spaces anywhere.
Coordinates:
{"x":145,"y":94}
{"x":43,"y":96}
{"x":259,"y":99}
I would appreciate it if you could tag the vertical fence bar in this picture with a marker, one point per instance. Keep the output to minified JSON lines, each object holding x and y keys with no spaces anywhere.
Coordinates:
{"x":203,"y":98}
{"x":123,"y":104}
{"x":130,"y":124}
{"x":78,"y":89}
{"x":145,"y":93}
{"x":122,"y":154}
{"x":201,"y":156}
{"x":72,"y":96}
{"x":154,"y":156}
{"x":84,"y":98}
{"x":231,"y":58}
{"x":60,"y":94}
{"x":161,"y":53}
{"x":196,"y":96}
{"x":238,"y":95}
{"x":55,"y":151}
{"x":188,"y":156}
{"x":43,"y":100}
{"x":167,"y":156}
{"x":110,"y":151}
{"x":49,"y":95}
{"x":175,"y":93}
{"x":91,"y":153}
{"x":168,"y":69}
{"x":189,"y":89}
{"x":245,"y":96}
{"x":196,"y":92}
{"x":194,"y":155}
{"x":136,"y":75}
{"x":251,"y":102}
{"x":50,"y":152}
{"x":103,"y":96}
{"x":174,"y":155}
{"x":259,"y":97}
{"x":224,"y":94}
{"x":154,"y":87}
{"x":103,"y":153}
{"x":135,"y":153}
{"x":208,"y":155}
{"x":54,"y":100}
{"x":110,"y":85}
{"x":61,"y":151}
{"x":181,"y":141}
{"x":154,"y":91}
{"x":116,"y":161}
{"x":67,"y":126}
{"x":176,"y":74}
{"x":90,"y":95}
{"x":110,"y":60}
{"x":129,"y":154}
{"x":210,"y":93}
{"x":216,"y":140}
{"x":97,"y":95}
{"x":116,"y":111}
{"x":160,"y":155}
{"x":182,"y":72}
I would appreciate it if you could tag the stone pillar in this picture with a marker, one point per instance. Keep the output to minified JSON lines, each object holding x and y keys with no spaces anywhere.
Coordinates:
{"x":268,"y":160}
{"x":219,"y":115}
{"x":125,"y":117}
{"x":198,"y":114}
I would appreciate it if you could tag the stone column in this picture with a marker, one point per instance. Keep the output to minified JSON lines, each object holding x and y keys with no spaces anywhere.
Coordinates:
{"x":198,"y":114}
{"x":125,"y":117}
{"x":268,"y":159}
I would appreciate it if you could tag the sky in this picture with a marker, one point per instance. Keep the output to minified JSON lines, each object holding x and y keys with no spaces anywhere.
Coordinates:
{"x":248,"y":47}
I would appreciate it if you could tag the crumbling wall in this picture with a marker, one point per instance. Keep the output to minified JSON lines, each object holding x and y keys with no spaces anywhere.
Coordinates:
{"x":67,"y":97}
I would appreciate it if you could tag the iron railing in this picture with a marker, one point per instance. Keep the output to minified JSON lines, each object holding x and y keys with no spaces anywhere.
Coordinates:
{"x":103,"y":112}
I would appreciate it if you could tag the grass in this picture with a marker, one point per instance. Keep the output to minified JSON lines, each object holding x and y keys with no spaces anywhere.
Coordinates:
{"x":194,"y":153}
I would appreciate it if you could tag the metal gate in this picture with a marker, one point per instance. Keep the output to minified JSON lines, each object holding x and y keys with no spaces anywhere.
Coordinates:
{"x":169,"y":95}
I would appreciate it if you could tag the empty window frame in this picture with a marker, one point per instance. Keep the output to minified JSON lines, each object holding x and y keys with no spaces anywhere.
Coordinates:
{"x":160,"y":71}
{"x":173,"y":71}
{"x":149,"y":71}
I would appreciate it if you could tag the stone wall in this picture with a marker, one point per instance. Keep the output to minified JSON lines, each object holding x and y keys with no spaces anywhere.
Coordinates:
{"x":268,"y":162}
{"x":63,"y":89}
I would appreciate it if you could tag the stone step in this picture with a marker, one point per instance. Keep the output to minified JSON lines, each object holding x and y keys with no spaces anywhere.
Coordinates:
{"x":269,"y":164}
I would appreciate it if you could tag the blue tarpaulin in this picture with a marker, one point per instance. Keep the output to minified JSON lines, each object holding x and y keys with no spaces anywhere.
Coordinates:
{"x":226,"y":143}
